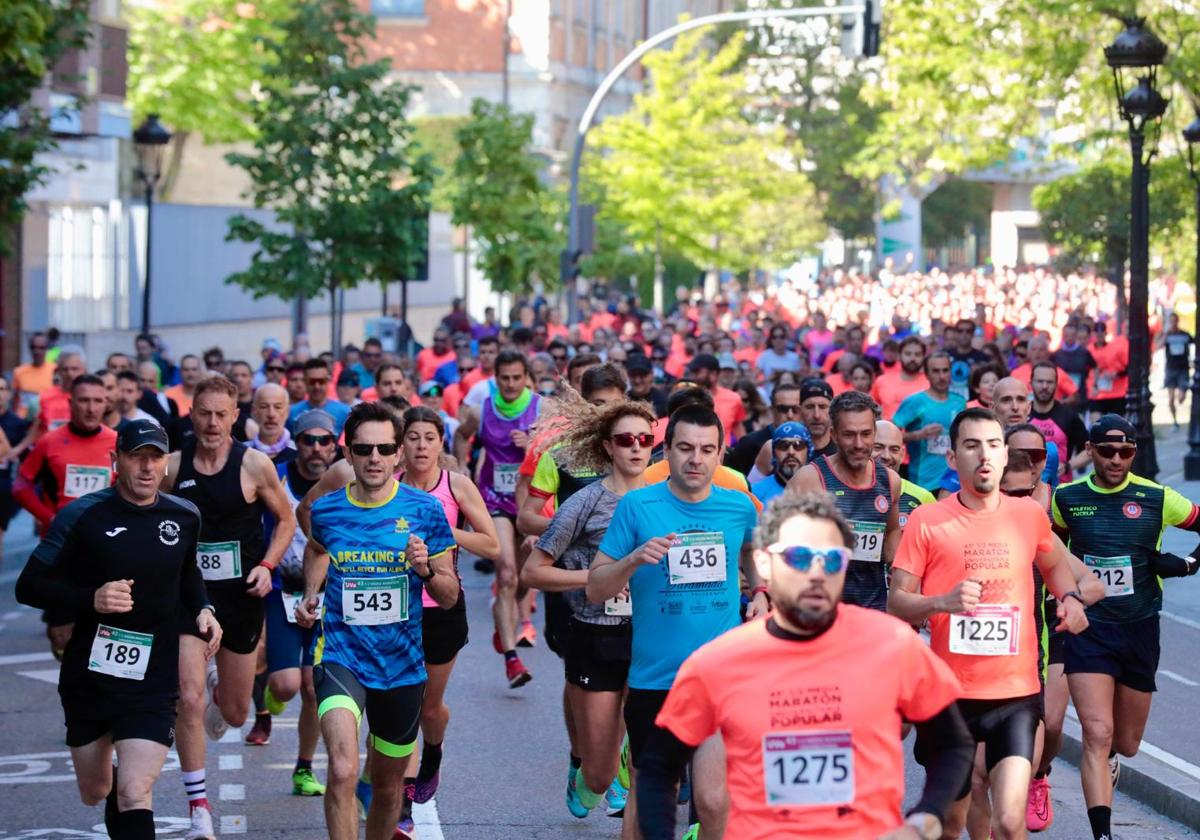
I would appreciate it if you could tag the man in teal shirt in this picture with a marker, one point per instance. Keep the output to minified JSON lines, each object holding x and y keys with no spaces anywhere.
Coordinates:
{"x":925,"y":418}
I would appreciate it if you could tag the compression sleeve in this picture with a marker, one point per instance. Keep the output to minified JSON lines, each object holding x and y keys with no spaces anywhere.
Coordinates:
{"x":951,"y":751}
{"x":659,"y":768}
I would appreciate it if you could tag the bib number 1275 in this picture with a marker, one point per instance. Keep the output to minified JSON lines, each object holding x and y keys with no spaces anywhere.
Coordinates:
{"x":808,"y":768}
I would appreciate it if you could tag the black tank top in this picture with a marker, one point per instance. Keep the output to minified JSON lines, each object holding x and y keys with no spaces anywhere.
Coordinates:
{"x":867,"y":511}
{"x":231,"y":530}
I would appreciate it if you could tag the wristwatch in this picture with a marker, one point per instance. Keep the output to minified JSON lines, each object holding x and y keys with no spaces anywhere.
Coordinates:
{"x":1074,"y":594}
{"x":927,"y":825}
{"x":427,"y":577}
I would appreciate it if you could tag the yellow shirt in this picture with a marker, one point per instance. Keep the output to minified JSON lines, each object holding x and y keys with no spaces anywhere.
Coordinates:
{"x":726,"y":477}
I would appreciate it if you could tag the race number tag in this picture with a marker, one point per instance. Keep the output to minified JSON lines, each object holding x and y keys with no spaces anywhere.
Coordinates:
{"x":868,"y":541}
{"x":292,"y":599}
{"x":219,"y":560}
{"x":120,"y":653}
{"x":371,"y":601}
{"x":939,"y":445}
{"x":1116,"y":573}
{"x":697,"y":558}
{"x":504,"y":478}
{"x":81,"y":480}
{"x":810,"y":768}
{"x":619,"y":605}
{"x":991,"y":630}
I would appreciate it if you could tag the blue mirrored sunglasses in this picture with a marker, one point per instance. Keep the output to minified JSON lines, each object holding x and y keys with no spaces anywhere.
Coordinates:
{"x":801,"y":557}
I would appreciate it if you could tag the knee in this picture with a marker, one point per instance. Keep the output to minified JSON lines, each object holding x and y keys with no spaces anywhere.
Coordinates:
{"x":93,"y":793}
{"x":134,"y":793}
{"x":506,"y":577}
{"x":432,"y":715}
{"x":191,"y":699}
{"x":284,"y":685}
{"x":342,"y":772}
{"x":1127,"y":745}
{"x":1010,"y":823}
{"x":1097,"y":732}
{"x":235,"y":710}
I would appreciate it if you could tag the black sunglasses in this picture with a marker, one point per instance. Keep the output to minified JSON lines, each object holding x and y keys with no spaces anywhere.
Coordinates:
{"x":275,"y":369}
{"x":786,"y":409}
{"x":363,"y":450}
{"x":1038,"y":456}
{"x":1107,"y":451}
{"x":1019,"y":492}
{"x":316,"y":440}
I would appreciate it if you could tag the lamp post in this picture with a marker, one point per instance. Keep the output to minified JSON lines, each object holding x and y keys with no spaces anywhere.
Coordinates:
{"x":1191,"y":461}
{"x":150,"y":139}
{"x":1138,"y":52}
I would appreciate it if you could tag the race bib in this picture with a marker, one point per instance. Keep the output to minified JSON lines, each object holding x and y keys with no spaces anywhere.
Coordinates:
{"x":120,"y":653}
{"x":939,"y":445}
{"x":504,"y":478}
{"x":219,"y":560}
{"x":81,"y":480}
{"x":697,"y":558}
{"x":620,"y":604}
{"x":991,"y":630}
{"x":1104,"y":381}
{"x":372,"y":601}
{"x":868,"y":541}
{"x":810,"y":768}
{"x":1116,"y":573}
{"x":292,"y":599}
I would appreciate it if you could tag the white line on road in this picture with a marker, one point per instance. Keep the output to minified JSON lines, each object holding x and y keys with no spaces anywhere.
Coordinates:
{"x":22,"y":658}
{"x":233,"y":824}
{"x":232,"y":735}
{"x":1186,"y":622}
{"x":48,"y":676}
{"x":1172,"y":761}
{"x":1171,"y":675}
{"x":13,"y":615}
{"x":230,"y":762}
{"x":233,"y":793}
{"x":427,"y":822}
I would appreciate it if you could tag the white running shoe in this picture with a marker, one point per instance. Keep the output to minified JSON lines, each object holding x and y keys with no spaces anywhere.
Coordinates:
{"x":214,"y":725}
{"x":1114,"y":769}
{"x":202,"y":825}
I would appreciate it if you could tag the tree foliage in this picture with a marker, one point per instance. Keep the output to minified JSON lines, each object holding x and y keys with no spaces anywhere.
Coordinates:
{"x":334,"y":158}
{"x":954,"y":208}
{"x":685,"y":165}
{"x":497,"y":190}
{"x":34,"y":35}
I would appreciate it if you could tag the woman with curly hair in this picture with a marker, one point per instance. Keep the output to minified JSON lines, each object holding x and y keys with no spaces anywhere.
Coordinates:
{"x":614,"y":440}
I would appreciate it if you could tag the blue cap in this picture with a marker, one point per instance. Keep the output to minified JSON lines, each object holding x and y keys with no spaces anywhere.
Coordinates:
{"x":792,"y":430}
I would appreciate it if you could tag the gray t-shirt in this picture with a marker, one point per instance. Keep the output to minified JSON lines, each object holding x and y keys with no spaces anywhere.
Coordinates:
{"x":573,"y":539}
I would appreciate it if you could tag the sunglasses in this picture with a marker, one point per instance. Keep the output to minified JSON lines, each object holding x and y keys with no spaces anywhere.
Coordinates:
{"x":363,"y":450}
{"x":786,"y":409}
{"x":275,"y":369}
{"x":316,"y":440}
{"x":1019,"y":492}
{"x":315,"y":382}
{"x":1038,"y":456}
{"x":625,"y":440}
{"x":1108,"y":451}
{"x":791,"y":445}
{"x":371,"y":355}
{"x":801,"y":557}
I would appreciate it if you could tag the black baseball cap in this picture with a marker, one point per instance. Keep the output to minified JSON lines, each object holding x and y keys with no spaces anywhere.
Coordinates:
{"x":1113,"y":428}
{"x":638,"y":364}
{"x":814,"y":387}
{"x":705,"y":361}
{"x":138,"y":433}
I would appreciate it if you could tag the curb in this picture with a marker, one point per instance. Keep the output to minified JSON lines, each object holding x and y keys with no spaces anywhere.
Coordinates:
{"x":1156,"y":784}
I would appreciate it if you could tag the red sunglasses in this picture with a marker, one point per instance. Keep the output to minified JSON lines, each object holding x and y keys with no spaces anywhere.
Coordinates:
{"x":625,"y":440}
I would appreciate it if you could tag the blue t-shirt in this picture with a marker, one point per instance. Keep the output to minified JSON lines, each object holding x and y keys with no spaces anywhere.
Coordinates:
{"x":338,"y":411}
{"x":367,"y":547}
{"x":927,"y":458}
{"x":670,"y":621}
{"x":767,"y":489}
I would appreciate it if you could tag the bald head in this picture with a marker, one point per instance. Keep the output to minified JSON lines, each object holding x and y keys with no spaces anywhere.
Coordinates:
{"x":889,"y":444}
{"x":1039,"y":349}
{"x":270,"y":411}
{"x":1010,"y":401}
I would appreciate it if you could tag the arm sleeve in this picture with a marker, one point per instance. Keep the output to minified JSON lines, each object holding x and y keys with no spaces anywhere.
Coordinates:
{"x":1179,"y":511}
{"x":688,"y":712}
{"x":950,"y":753}
{"x":42,"y":582}
{"x":621,"y":537}
{"x":659,"y":767}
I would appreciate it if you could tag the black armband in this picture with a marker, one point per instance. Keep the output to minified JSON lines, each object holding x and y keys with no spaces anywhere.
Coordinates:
{"x":949,"y":752}
{"x":658,"y":770}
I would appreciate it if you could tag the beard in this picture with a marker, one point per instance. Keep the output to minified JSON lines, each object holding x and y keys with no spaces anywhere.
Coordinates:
{"x":984,"y":486}
{"x":804,"y":619}
{"x":788,"y":468}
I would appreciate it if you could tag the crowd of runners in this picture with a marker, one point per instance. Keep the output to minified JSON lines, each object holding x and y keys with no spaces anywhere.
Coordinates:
{"x":721,"y":517}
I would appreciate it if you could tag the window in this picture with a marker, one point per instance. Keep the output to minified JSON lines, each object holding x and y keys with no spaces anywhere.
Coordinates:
{"x":398,"y":8}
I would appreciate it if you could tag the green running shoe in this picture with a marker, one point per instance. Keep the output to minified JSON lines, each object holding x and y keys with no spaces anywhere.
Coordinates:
{"x":623,"y":767}
{"x":693,"y":833}
{"x":304,"y":783}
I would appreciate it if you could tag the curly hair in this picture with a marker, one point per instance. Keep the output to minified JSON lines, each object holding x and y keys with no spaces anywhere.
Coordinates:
{"x":581,"y":445}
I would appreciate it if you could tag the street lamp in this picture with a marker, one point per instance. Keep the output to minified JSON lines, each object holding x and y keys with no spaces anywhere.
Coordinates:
{"x":1137,"y":54}
{"x":1191,"y":461}
{"x":150,"y":140}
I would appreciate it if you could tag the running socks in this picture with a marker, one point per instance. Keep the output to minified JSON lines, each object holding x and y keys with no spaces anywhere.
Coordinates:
{"x":1101,"y":819}
{"x":587,"y":797}
{"x":431,"y":762}
{"x":135,"y":825}
{"x":509,"y":655}
{"x":260,"y":687}
{"x":110,"y":807}
{"x":193,"y":785}
{"x":303,"y":764}
{"x":576,"y":761}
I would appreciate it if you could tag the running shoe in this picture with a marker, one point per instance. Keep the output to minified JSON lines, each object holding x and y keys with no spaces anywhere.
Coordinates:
{"x":406,"y":829}
{"x":615,"y":798}
{"x":693,"y":832}
{"x":214,"y":725}
{"x":1039,"y":813}
{"x":623,"y":768}
{"x":499,"y":648}
{"x":202,"y":824}
{"x":1114,"y":769}
{"x":517,"y":673}
{"x":259,"y":734}
{"x":362,"y":793}
{"x":424,"y":789}
{"x":573,"y":804}
{"x":304,"y":783}
{"x":274,"y":705}
{"x":527,"y":635}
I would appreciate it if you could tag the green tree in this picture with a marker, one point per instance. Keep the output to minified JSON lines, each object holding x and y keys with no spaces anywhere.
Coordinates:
{"x":34,"y":35}
{"x":497,"y":191}
{"x":954,"y":208}
{"x":335,"y":159}
{"x":438,"y":137}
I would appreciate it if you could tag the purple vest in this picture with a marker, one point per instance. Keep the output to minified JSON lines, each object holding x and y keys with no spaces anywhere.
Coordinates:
{"x":502,"y":457}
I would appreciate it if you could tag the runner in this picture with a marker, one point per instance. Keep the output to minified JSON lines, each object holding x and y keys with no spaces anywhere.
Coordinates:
{"x":1115,"y":521}
{"x":14,"y":442}
{"x":232,"y":486}
{"x":925,"y":418}
{"x":815,"y":396}
{"x":32,"y":379}
{"x":785,"y":406}
{"x":269,"y":411}
{"x":1059,"y":422}
{"x":503,"y":425}
{"x":289,"y":646}
{"x":1177,"y":344}
{"x":791,"y":449}
{"x":817,"y":685}
{"x":123,"y":559}
{"x":866,"y":493}
{"x":677,"y":547}
{"x":128,"y":394}
{"x":54,"y":404}
{"x":614,"y":441}
{"x":964,"y":566}
{"x":889,"y":451}
{"x":893,"y":387}
{"x":376,"y":546}
{"x":316,"y":385}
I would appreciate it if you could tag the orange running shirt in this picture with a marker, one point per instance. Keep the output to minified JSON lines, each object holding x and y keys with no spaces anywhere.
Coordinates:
{"x":811,"y":728}
{"x":993,"y":651}
{"x":891,"y":389}
{"x":67,"y":466}
{"x":724,"y":476}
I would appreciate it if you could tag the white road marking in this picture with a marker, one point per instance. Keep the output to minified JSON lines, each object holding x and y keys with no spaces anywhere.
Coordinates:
{"x":232,"y":735}
{"x":23,"y":658}
{"x":426,"y":821}
{"x":13,"y":615}
{"x":230,"y":762}
{"x":48,"y":676}
{"x":1186,"y":622}
{"x":1171,"y":675}
{"x":235,"y":824}
{"x":233,"y":793}
{"x":1172,"y":761}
